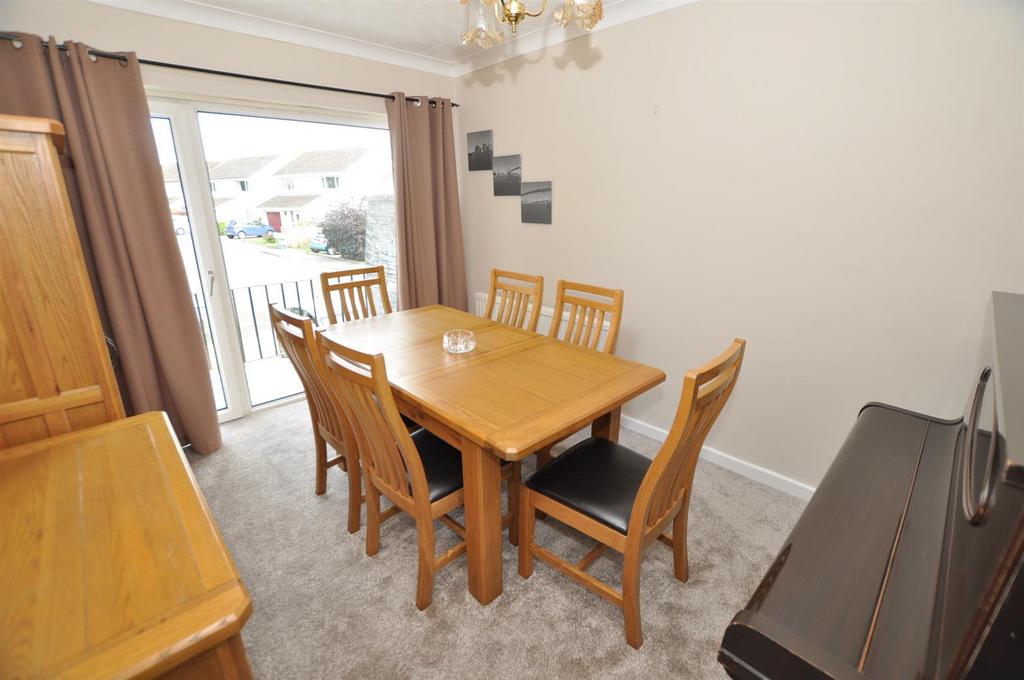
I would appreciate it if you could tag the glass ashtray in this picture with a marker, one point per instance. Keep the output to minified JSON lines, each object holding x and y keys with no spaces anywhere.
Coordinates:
{"x":458,"y":341}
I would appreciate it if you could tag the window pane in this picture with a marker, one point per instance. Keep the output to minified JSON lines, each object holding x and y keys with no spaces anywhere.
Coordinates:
{"x":294,"y":199}
{"x":187,"y":250}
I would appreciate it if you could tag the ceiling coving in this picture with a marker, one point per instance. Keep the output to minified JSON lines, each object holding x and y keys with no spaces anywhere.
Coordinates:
{"x":419,"y":34}
{"x":483,"y":16}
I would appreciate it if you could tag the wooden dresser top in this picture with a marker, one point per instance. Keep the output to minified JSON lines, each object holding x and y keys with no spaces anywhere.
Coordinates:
{"x":110,"y":563}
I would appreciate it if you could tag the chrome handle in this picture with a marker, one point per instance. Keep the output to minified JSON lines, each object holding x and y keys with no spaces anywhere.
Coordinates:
{"x":976,"y":509}
{"x":209,"y":273}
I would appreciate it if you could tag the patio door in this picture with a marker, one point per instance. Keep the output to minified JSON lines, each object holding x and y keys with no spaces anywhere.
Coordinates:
{"x":267,"y":202}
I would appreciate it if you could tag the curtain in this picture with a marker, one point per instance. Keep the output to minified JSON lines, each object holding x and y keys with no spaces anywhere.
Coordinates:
{"x":116,"y":189}
{"x":431,"y":268}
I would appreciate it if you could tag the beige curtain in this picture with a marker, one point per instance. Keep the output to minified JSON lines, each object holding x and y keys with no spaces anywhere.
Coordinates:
{"x":431,"y":268}
{"x":117,"y":193}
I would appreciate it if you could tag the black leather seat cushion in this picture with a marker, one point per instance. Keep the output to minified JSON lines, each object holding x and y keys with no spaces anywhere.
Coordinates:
{"x":442,"y":464}
{"x":596,"y":477}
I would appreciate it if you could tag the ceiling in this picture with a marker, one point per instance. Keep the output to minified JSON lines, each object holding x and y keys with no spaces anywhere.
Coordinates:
{"x":422,"y":34}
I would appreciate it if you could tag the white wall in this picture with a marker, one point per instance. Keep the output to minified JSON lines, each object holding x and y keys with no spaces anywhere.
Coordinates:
{"x":840,"y":183}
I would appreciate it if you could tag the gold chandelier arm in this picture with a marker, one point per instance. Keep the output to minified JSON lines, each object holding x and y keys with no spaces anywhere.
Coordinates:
{"x":543,"y":6}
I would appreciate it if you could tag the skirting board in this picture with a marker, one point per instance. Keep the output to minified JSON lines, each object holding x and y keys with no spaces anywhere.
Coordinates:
{"x":740,"y":467}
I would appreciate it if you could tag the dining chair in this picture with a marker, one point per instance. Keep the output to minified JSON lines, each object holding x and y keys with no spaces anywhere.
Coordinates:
{"x":514,"y":299}
{"x":624,"y":500}
{"x":418,"y":472}
{"x":296,"y":336}
{"x":362,"y":293}
{"x":581,"y":310}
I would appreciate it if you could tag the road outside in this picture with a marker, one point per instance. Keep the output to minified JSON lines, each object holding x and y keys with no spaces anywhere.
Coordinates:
{"x":251,"y":263}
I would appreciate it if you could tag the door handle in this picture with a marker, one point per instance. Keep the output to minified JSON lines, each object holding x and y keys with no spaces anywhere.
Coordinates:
{"x":209,"y":273}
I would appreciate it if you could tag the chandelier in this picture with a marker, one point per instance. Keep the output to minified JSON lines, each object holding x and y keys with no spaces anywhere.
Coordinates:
{"x":483,"y":16}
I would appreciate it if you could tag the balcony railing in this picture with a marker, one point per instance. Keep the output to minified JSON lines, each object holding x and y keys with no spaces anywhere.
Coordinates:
{"x":252,"y":317}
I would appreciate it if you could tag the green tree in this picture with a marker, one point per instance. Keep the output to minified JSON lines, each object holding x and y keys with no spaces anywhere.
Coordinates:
{"x":344,"y":229}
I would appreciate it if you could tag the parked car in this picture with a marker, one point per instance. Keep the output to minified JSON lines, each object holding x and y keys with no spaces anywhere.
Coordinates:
{"x":318,"y":244}
{"x":232,"y":230}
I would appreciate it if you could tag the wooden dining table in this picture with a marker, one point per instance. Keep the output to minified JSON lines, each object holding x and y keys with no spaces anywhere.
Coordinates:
{"x":516,"y":393}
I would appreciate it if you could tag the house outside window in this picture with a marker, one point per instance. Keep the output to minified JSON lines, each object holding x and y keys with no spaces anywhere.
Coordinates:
{"x":329,"y":182}
{"x":243,"y":184}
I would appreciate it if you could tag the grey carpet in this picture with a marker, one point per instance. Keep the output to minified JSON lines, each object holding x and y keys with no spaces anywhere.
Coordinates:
{"x":323,"y":609}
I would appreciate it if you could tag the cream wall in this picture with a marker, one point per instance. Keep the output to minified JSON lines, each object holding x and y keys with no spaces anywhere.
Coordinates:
{"x":840,"y":183}
{"x":180,"y":42}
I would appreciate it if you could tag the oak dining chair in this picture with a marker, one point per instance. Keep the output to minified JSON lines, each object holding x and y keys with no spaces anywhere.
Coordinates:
{"x":296,"y":336}
{"x":361,"y":293}
{"x":581,"y":310}
{"x":624,"y":500}
{"x":418,"y":472}
{"x":514,"y":299}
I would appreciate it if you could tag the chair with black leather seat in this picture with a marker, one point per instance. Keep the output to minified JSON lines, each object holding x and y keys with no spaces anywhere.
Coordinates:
{"x":419,"y":473}
{"x":624,"y":500}
{"x":581,"y":310}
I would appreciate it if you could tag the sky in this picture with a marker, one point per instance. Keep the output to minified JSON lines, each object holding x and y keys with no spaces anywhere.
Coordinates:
{"x":234,"y":136}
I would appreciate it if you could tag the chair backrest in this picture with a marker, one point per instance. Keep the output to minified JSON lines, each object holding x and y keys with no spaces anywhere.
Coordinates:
{"x":705,"y":392}
{"x":355,"y":289}
{"x":388,"y":454}
{"x":514,"y":299}
{"x":296,"y":336}
{"x":585,"y":309}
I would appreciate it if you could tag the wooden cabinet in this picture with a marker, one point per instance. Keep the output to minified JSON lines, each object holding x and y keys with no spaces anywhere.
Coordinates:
{"x":110,"y":563}
{"x":57,"y":375}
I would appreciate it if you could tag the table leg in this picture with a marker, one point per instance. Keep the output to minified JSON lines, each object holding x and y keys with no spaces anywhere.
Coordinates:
{"x":607,"y":426}
{"x":481,"y":480}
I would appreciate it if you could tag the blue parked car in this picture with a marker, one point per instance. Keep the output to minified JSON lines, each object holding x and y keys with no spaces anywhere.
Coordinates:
{"x":232,"y":230}
{"x":318,"y":244}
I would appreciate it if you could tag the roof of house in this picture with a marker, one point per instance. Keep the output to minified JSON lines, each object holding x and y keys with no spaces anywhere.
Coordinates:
{"x":288,"y":201}
{"x":239,"y":168}
{"x":320,"y":162}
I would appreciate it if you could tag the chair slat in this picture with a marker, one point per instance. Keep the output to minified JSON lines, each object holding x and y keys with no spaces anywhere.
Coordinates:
{"x":580,"y":320}
{"x":354,"y":288}
{"x":513,"y":304}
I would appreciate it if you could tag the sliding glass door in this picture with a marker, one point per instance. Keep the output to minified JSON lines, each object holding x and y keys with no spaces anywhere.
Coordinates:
{"x":267,"y":203}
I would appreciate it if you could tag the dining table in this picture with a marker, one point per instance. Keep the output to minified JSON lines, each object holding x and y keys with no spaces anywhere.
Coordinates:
{"x":516,"y":393}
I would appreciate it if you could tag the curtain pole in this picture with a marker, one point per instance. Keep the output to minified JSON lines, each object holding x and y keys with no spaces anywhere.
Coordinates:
{"x":229,"y":74}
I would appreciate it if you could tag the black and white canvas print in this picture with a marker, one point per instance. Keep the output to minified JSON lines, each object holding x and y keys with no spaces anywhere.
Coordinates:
{"x":481,"y":149}
{"x":508,"y":175}
{"x":537,"y":202}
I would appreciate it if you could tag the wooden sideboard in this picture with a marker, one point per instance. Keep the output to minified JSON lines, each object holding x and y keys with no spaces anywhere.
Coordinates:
{"x":57,"y":375}
{"x":110,"y":563}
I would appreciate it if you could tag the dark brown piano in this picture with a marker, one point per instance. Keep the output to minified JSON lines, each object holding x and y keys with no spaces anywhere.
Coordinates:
{"x":906,"y":563}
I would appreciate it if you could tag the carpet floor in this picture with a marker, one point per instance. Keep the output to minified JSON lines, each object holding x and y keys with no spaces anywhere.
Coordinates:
{"x":323,"y":609}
